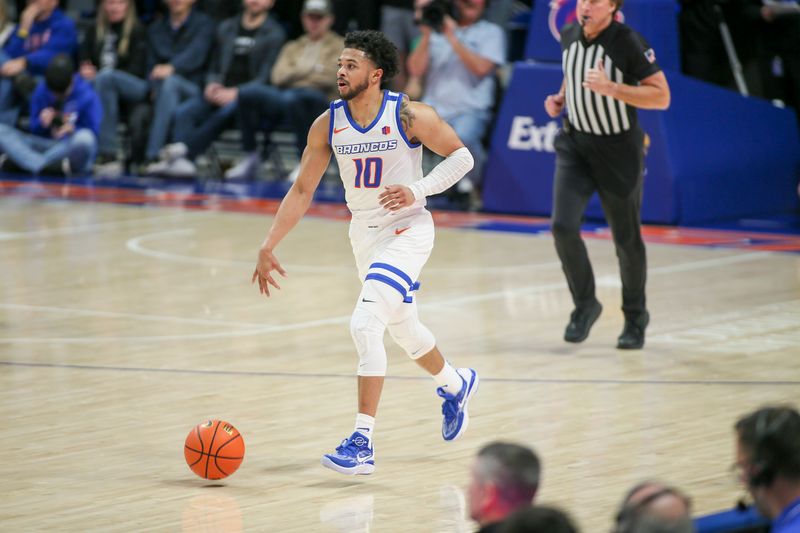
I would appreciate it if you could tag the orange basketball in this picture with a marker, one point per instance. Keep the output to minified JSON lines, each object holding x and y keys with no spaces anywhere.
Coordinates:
{"x":214,"y":449}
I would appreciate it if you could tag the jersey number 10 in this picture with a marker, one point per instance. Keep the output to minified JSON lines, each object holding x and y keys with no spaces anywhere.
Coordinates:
{"x":369,"y":170}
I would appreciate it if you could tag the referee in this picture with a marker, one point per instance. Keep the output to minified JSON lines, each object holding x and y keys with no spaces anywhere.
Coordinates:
{"x":609,"y":71}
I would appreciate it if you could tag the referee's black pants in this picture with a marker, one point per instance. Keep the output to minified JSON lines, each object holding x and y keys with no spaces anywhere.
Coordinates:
{"x":613,"y":167}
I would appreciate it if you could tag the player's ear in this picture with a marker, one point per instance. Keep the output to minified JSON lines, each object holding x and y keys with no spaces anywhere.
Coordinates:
{"x":377,"y":74}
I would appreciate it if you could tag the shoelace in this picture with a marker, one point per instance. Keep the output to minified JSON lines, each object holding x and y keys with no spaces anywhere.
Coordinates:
{"x":348,"y":446}
{"x":449,"y":408}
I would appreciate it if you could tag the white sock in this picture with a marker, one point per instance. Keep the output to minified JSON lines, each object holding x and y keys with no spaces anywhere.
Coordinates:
{"x":449,"y":380}
{"x":365,"y":425}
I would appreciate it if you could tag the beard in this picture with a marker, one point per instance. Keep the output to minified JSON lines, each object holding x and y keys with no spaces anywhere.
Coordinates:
{"x":354,"y":91}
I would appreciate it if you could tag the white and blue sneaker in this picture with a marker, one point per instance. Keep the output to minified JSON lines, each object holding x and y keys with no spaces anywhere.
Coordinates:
{"x":353,"y":456}
{"x":454,"y":407}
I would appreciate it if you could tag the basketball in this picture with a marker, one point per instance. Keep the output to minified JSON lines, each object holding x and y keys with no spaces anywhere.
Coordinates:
{"x":214,"y":449}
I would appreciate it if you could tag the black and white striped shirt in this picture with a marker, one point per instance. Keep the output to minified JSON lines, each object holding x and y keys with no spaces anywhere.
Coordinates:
{"x":627,"y":58}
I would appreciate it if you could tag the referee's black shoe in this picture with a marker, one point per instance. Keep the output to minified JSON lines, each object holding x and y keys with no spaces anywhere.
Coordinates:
{"x":580,"y":322}
{"x":632,"y":337}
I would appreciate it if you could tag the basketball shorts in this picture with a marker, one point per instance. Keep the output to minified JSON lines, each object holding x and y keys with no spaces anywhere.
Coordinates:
{"x":404,"y":243}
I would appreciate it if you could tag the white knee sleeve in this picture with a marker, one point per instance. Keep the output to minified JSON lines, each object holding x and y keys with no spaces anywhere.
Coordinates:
{"x":412,"y":335}
{"x":367,"y":331}
{"x":380,"y":300}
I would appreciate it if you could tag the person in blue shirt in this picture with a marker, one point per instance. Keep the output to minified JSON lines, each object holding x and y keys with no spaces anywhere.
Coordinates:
{"x":65,"y":121}
{"x":43,"y":32}
{"x":768,"y":463}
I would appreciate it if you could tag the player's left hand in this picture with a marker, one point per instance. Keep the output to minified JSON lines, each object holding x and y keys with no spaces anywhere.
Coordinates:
{"x":396,"y":197}
{"x":597,"y":81}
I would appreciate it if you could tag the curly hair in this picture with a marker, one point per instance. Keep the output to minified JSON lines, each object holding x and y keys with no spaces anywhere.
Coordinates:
{"x":378,"y":49}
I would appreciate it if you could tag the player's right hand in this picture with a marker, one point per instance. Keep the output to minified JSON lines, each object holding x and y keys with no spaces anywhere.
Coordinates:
{"x":267,"y":262}
{"x":553,"y":104}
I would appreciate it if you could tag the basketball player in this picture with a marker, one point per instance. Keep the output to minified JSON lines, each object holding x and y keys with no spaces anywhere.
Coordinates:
{"x":377,"y":137}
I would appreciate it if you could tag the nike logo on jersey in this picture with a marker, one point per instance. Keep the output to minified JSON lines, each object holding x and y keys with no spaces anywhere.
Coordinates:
{"x":339,"y":130}
{"x":398,"y":231}
{"x":367,"y":301}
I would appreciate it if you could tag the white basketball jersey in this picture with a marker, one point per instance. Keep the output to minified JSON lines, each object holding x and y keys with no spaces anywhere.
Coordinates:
{"x":371,"y":158}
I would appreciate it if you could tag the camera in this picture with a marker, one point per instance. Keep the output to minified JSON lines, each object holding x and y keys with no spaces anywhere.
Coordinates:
{"x":58,"y":121}
{"x":433,"y":13}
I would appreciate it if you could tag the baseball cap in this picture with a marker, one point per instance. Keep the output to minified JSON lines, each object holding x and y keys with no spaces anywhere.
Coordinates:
{"x":317,"y":6}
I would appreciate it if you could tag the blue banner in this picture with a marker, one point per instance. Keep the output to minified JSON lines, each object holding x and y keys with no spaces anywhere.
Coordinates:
{"x":714,"y":155}
{"x":655,"y":20}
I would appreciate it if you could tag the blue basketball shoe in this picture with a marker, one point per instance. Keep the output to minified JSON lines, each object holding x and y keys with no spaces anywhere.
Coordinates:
{"x":454,"y":407}
{"x":353,"y":456}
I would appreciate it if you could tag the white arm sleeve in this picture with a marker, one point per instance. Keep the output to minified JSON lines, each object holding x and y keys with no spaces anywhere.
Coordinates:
{"x":444,"y":175}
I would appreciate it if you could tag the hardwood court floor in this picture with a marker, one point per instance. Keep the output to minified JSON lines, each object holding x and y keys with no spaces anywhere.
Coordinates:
{"x":122,"y":327}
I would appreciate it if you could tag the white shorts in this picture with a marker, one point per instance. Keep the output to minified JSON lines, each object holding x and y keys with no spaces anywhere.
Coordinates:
{"x":403,"y":243}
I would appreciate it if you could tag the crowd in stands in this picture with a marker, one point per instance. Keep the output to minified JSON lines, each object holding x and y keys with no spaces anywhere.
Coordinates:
{"x":178,"y":73}
{"x":505,"y":478}
{"x":766,"y":39}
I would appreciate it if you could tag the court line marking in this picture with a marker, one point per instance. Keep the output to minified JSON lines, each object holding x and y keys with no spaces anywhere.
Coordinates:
{"x":344,"y":319}
{"x":132,"y":316}
{"x":256,"y":373}
{"x":135,"y":245}
{"x":87,"y":228}
{"x":260,"y":330}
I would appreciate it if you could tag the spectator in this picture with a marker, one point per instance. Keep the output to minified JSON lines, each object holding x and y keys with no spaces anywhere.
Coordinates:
{"x":780,"y":52}
{"x":353,"y":15}
{"x":219,"y":10}
{"x":652,"y":507}
{"x":504,"y":478}
{"x":21,"y":4}
{"x":43,"y":31}
{"x":768,"y":463}
{"x":501,"y":11}
{"x":397,"y":22}
{"x":459,"y":60}
{"x":288,"y":13}
{"x":149,"y":10}
{"x":113,"y":56}
{"x":304,"y":82}
{"x":179,"y":46}
{"x":6,"y":25}
{"x":703,"y":53}
{"x":245,"y":50}
{"x":538,"y":519}
{"x":65,"y":121}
